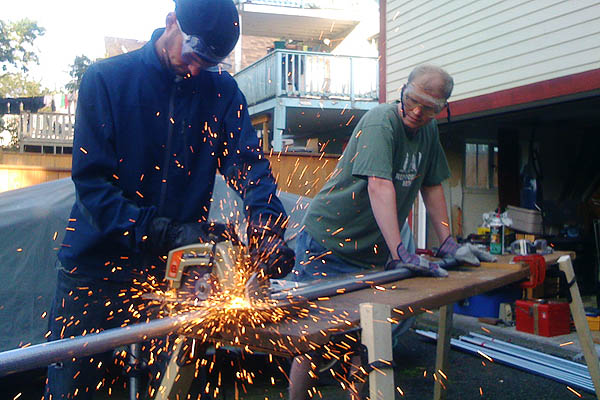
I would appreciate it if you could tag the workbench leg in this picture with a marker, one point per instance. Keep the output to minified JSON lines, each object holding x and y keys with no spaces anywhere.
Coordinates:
{"x":581,"y":324}
{"x":177,"y":379}
{"x":442,"y":350}
{"x":377,"y":338}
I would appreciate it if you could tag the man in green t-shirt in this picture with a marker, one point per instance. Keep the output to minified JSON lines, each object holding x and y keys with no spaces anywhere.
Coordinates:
{"x":353,"y":223}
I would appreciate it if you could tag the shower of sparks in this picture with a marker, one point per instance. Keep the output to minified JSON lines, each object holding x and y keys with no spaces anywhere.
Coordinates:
{"x":228,"y":317}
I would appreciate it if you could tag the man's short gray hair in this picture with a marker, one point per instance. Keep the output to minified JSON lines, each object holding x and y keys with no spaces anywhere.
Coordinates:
{"x":429,"y":68}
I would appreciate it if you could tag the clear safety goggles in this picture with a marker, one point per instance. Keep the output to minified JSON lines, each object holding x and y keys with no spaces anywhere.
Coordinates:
{"x":194,"y":50}
{"x":430,"y":106}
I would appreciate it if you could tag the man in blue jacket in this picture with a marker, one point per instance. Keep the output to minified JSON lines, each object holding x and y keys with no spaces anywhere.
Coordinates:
{"x":153,"y":127}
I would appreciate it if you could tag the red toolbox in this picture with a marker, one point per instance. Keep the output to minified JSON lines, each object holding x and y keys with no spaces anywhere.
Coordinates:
{"x":548,"y":318}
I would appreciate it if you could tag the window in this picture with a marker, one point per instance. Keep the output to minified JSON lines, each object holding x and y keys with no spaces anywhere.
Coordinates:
{"x":481,"y":161}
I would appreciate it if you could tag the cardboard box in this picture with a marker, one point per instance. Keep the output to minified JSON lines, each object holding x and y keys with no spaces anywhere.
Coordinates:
{"x":525,"y":236}
{"x":525,"y":220}
{"x":550,"y":318}
{"x":594,"y":323}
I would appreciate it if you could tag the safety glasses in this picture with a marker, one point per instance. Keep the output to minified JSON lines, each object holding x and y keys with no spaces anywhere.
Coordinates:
{"x":194,"y":50}
{"x":429,"y":106}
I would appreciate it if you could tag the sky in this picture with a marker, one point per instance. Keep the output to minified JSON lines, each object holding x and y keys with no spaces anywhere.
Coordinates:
{"x":78,"y":27}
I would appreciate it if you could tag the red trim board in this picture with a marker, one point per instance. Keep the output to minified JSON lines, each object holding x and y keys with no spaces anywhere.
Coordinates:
{"x":563,"y":86}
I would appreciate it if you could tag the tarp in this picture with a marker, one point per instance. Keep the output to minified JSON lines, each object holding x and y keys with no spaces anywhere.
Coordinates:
{"x":32,"y":226}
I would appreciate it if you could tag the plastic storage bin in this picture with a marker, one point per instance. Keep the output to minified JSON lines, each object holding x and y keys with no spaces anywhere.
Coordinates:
{"x":524,"y":220}
{"x":488,"y":304}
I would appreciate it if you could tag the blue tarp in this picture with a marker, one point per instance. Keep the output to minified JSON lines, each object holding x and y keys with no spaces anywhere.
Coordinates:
{"x":32,"y":226}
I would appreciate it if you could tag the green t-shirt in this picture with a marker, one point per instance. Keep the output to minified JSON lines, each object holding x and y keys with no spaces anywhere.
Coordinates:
{"x":340,"y":216}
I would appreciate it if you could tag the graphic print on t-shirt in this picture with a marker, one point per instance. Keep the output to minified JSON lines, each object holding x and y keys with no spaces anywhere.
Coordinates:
{"x":408,"y":173}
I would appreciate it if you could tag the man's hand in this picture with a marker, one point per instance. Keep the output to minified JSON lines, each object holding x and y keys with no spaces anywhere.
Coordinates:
{"x":416,"y":264}
{"x":165,"y":234}
{"x":466,"y":254}
{"x":270,"y":252}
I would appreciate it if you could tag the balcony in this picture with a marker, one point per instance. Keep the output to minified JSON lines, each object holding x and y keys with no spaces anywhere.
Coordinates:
{"x":327,"y":4}
{"x":289,"y":73}
{"x":46,"y":132}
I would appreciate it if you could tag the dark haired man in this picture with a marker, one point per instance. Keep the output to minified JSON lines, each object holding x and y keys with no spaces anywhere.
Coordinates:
{"x":153,"y":127}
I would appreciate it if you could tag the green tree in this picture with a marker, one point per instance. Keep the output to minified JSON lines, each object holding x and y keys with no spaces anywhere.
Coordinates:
{"x":16,"y":44}
{"x":20,"y":85}
{"x":17,"y":53}
{"x":78,"y":68}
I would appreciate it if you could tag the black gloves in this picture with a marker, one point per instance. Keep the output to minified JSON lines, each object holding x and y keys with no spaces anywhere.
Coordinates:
{"x":270,"y":252}
{"x":164,"y":234}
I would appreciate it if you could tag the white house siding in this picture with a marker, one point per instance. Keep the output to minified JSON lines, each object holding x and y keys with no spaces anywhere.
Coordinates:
{"x":490,"y":45}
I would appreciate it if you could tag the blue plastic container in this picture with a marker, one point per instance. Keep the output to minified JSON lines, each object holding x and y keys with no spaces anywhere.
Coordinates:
{"x":488,"y":304}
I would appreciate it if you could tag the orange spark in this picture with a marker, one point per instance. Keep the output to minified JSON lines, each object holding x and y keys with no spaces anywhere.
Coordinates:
{"x":574,"y":391}
{"x":337,"y":231}
{"x":482,"y":354}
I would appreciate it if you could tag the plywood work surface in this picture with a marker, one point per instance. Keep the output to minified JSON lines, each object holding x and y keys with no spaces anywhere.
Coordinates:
{"x":311,"y":324}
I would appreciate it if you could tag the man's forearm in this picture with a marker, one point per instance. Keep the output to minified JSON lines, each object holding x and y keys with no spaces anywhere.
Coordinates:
{"x":382,"y":195}
{"x":435,"y":202}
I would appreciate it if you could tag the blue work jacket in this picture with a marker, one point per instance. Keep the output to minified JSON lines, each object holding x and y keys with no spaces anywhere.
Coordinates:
{"x":149,"y":143}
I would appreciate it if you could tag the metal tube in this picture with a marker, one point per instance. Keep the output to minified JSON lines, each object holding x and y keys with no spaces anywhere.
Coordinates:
{"x":580,"y":370}
{"x":529,"y":366}
{"x":331,"y":288}
{"x":41,"y":355}
{"x":134,"y":357}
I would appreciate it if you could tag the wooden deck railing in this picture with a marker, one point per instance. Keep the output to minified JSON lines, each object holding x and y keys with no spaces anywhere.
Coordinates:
{"x":46,"y":129}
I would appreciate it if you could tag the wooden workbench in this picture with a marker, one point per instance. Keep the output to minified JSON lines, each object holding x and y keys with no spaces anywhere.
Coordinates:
{"x":312,"y":324}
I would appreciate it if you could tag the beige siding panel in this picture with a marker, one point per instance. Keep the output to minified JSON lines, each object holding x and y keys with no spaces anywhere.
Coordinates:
{"x":486,"y":23}
{"x":492,"y":45}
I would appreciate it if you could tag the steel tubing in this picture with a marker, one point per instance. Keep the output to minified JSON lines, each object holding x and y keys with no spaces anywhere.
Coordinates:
{"x":44,"y":354}
{"x":41,"y":355}
{"x":529,"y":366}
{"x":533,"y":354}
{"x":515,"y":353}
{"x":333,"y":287}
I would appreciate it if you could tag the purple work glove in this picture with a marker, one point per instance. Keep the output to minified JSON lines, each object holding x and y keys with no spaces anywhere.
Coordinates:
{"x":466,"y":254}
{"x":416,"y":264}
